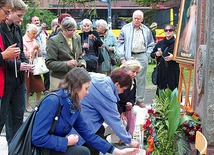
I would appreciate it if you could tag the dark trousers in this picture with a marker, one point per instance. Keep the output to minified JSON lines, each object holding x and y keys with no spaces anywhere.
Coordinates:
{"x":73,"y":150}
{"x":12,"y":107}
{"x":100,"y":133}
{"x":47,"y":80}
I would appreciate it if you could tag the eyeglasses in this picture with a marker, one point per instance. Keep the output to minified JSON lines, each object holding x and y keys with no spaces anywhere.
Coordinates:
{"x":74,"y":30}
{"x":168,"y":30}
{"x":5,"y":11}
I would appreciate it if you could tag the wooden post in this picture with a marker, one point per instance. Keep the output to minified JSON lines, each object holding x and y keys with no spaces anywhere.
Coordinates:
{"x":182,"y":80}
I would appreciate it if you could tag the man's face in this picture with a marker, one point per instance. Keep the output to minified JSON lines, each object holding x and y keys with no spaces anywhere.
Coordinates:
{"x":16,"y":17}
{"x":137,"y":19}
{"x":4,"y":13}
{"x":36,"y":21}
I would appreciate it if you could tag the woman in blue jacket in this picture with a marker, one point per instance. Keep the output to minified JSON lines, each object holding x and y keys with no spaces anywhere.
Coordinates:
{"x":101,"y":105}
{"x":73,"y":88}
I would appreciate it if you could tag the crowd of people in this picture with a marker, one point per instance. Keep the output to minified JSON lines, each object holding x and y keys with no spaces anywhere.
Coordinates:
{"x":89,"y":94}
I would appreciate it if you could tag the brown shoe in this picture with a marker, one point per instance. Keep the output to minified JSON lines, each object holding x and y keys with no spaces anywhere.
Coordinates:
{"x":141,"y":104}
{"x":121,"y":143}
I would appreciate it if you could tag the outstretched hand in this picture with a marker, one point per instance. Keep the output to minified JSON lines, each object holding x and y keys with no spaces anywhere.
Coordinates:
{"x":126,"y":151}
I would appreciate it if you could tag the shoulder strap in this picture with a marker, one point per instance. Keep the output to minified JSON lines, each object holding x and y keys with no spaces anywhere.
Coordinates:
{"x":53,"y":126}
{"x":56,"y":118}
{"x":165,"y":50}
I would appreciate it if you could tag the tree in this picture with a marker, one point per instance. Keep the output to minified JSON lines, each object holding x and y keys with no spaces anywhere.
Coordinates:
{"x":45,"y":16}
{"x":155,"y":3}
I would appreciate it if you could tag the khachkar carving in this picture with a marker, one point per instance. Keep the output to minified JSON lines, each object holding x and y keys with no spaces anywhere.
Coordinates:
{"x":199,"y":71}
{"x":202,"y":17}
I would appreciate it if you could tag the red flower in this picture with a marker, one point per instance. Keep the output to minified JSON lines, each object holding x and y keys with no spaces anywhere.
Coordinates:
{"x":150,"y":111}
{"x":192,"y":138}
{"x":186,"y":125}
{"x":187,"y":131}
{"x":198,"y":127}
{"x":151,"y":131}
{"x":147,"y":124}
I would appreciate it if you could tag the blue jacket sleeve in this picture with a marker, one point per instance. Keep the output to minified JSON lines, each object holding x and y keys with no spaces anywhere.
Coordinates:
{"x":94,"y":140}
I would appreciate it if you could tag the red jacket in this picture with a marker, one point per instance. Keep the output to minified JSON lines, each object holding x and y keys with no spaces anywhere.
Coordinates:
{"x":1,"y":68}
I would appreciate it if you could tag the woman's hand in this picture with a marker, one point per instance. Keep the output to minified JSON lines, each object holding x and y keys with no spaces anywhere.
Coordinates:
{"x":36,"y":47}
{"x":123,"y":117}
{"x":126,"y":151}
{"x":92,"y":37}
{"x":110,"y":48}
{"x":85,"y":45}
{"x":128,"y":105}
{"x":158,"y":53}
{"x":134,"y":144}
{"x":72,"y":139}
{"x":72,"y":63}
{"x":170,"y":57}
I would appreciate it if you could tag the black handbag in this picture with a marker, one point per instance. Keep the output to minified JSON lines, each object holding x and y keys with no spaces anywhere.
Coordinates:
{"x":155,"y":75}
{"x":91,"y":61}
{"x":155,"y":71}
{"x":21,"y":142}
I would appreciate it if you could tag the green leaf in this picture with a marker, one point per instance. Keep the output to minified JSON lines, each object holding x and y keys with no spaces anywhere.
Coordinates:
{"x":173,"y":114}
{"x":182,"y":146}
{"x":188,"y":118}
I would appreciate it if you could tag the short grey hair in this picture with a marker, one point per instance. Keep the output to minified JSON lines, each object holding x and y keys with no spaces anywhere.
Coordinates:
{"x":30,"y":27}
{"x":138,"y":12}
{"x":54,"y":22}
{"x":68,"y":22}
{"x":85,"y":22}
{"x":102,"y":23}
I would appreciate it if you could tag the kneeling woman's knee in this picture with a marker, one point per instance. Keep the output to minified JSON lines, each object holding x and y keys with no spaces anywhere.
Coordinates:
{"x":78,"y":150}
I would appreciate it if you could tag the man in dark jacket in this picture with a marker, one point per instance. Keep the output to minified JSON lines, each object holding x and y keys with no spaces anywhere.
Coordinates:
{"x":13,"y":101}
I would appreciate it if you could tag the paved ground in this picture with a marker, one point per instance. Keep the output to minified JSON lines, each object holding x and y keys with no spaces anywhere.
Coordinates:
{"x":141,"y":113}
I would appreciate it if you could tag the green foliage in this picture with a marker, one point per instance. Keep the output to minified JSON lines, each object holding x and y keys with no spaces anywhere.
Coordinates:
{"x":168,"y":133}
{"x":45,"y":16}
{"x":150,"y":2}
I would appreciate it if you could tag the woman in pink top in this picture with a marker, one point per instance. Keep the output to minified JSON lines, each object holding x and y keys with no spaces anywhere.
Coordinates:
{"x":34,"y":83}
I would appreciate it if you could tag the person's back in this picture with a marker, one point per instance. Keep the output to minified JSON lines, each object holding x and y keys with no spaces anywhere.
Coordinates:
{"x":101,"y":104}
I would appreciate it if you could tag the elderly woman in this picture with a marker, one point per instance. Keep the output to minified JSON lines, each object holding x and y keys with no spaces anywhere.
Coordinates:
{"x":64,"y":52}
{"x":90,"y":44}
{"x":109,"y":46}
{"x":34,"y":83}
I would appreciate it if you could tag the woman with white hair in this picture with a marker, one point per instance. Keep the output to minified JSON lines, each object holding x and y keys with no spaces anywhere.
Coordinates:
{"x":109,"y":46}
{"x":33,"y":83}
{"x":90,"y":44}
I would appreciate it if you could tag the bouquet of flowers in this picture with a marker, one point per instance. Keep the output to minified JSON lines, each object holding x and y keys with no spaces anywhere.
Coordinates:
{"x":165,"y":130}
{"x":190,"y":127}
